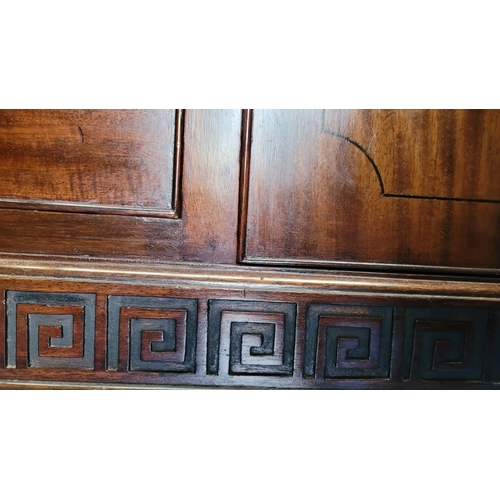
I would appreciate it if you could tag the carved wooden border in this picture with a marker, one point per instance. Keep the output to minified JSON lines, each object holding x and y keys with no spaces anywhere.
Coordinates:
{"x":322,"y":340}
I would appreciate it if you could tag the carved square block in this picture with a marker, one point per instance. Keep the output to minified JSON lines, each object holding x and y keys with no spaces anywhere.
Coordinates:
{"x":50,"y":330}
{"x":347,"y":341}
{"x":152,"y":334}
{"x":251,"y":338}
{"x":444,"y":344}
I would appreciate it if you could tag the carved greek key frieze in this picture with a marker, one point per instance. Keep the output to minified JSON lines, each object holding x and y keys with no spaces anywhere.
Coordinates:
{"x":151,"y":334}
{"x":347,"y":341}
{"x":444,"y":344}
{"x":251,"y":338}
{"x":50,"y":330}
{"x":306,"y":344}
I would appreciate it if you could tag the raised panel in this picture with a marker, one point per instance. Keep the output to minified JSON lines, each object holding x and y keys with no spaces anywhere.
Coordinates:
{"x":105,"y":161}
{"x":406,"y":189}
{"x":435,"y":153}
{"x":125,"y":175}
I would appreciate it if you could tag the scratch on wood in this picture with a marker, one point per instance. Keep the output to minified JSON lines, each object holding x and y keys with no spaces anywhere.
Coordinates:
{"x":82,"y":134}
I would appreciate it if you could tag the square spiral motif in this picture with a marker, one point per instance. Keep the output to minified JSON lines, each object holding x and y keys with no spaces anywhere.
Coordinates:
{"x":251,"y":338}
{"x":51,"y":330}
{"x":444,"y":344}
{"x":152,"y":334}
{"x":347,"y":341}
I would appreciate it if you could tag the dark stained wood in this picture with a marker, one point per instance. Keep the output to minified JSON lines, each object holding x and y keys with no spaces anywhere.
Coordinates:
{"x":105,"y":161}
{"x":133,"y":282}
{"x":404,"y":190}
{"x":360,"y":330}
{"x":246,"y":148}
{"x":210,"y":185}
{"x":206,"y":228}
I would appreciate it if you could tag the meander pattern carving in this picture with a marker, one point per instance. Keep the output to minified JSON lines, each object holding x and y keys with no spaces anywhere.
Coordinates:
{"x":174,"y":321}
{"x":252,"y":338}
{"x":275,"y":352}
{"x":354,"y":341}
{"x":30,"y":314}
{"x":444,"y":344}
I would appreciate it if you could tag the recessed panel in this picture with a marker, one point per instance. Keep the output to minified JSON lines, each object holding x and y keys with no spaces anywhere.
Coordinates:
{"x":400,"y":189}
{"x":105,"y":161}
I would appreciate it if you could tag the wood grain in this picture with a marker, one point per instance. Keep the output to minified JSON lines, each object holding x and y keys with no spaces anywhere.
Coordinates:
{"x":123,"y":155}
{"x":315,"y":198}
{"x":210,"y":185}
{"x":88,"y":235}
{"x":105,"y":161}
{"x":449,"y":153}
{"x":116,"y":295}
{"x":360,"y":330}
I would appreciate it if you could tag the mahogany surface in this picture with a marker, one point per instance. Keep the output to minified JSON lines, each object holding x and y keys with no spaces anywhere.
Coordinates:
{"x":237,"y":248}
{"x":90,"y":160}
{"x":269,"y":328}
{"x":403,"y":190}
{"x":205,"y":162}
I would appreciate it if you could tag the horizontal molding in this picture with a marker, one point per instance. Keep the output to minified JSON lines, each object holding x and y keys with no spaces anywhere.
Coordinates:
{"x":94,"y":322}
{"x":388,"y":267}
{"x":243,"y":277}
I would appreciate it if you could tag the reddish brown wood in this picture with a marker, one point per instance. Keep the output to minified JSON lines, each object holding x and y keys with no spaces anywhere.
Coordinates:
{"x":88,"y":235}
{"x":254,"y":297}
{"x":432,"y":153}
{"x":104,"y":161}
{"x":405,"y":190}
{"x":160,"y":301}
{"x":210,"y":185}
{"x":205,"y":232}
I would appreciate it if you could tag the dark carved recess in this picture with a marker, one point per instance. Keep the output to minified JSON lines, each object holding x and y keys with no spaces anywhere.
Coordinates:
{"x":309,"y":343}
{"x":496,"y":350}
{"x":238,"y":330}
{"x":444,"y":344}
{"x":178,"y":350}
{"x":351,"y":341}
{"x":62,"y":322}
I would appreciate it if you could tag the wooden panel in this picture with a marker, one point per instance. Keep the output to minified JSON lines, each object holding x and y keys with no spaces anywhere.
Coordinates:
{"x":199,"y":325}
{"x":204,"y":231}
{"x":105,"y":161}
{"x":410,"y":190}
{"x":91,"y":235}
{"x":447,"y":154}
{"x":210,"y":185}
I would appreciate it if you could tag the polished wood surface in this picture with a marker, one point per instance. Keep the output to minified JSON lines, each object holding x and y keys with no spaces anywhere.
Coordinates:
{"x":210,"y":185}
{"x":435,"y":153}
{"x":106,"y":161}
{"x":204,"y":162}
{"x":402,"y":190}
{"x":221,"y":326}
{"x":209,"y":276}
